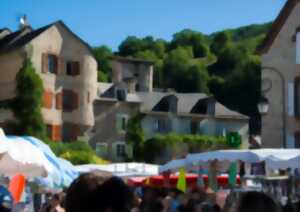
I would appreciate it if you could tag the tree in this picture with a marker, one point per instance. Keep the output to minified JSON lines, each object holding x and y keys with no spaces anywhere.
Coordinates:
{"x":227,"y":61}
{"x":135,"y":136}
{"x":102,"y":55}
{"x":27,"y":104}
{"x":183,"y":73}
{"x":219,"y":42}
{"x":191,"y":38}
{"x":130,"y":46}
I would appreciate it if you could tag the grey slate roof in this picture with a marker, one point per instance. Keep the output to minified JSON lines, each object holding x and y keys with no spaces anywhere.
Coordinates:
{"x":22,"y":37}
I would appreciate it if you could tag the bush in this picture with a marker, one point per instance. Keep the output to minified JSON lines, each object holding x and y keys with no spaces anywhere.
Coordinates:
{"x":162,"y":148}
{"x":77,"y":152}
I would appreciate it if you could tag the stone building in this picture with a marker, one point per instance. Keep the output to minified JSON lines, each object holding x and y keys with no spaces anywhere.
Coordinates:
{"x":67,"y":68}
{"x":162,"y":112}
{"x":280,"y":53}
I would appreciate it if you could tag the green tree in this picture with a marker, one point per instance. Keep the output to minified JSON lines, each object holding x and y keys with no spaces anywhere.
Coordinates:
{"x":220,"y":41}
{"x":191,"y":38}
{"x":102,"y":55}
{"x":27,"y":104}
{"x":135,"y":136}
{"x":227,"y":61}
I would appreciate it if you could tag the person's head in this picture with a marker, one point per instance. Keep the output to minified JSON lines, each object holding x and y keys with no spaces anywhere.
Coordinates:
{"x":113,"y":195}
{"x":256,"y":202}
{"x":55,"y":200}
{"x":81,"y":192}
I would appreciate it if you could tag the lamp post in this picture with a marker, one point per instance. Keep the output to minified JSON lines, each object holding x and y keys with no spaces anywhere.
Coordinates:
{"x":263,"y":105}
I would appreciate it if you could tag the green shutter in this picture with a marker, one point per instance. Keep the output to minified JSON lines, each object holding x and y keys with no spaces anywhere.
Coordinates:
{"x":114,"y":151}
{"x":129,"y":150}
{"x":118,"y":123}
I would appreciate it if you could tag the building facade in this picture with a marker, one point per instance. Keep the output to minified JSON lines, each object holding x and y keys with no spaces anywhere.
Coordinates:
{"x":67,"y":68}
{"x":281,"y":79}
{"x":162,"y":112}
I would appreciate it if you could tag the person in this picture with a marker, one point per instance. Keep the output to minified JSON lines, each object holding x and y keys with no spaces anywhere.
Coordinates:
{"x":81,"y":190}
{"x":97,"y":193}
{"x":257,"y":202}
{"x":57,"y":203}
{"x":113,"y":196}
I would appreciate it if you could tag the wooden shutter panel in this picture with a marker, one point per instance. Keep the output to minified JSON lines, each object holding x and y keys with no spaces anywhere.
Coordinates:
{"x":60,"y":65}
{"x":44,"y":63}
{"x":57,"y":132}
{"x":47,"y":99}
{"x":59,"y":100}
{"x":76,"y":68}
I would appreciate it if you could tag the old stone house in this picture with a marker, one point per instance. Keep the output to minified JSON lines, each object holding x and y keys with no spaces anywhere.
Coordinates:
{"x":280,"y":53}
{"x":67,"y":68}
{"x":131,"y":92}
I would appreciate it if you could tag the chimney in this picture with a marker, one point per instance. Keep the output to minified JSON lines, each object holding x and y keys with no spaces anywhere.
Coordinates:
{"x":23,"y":22}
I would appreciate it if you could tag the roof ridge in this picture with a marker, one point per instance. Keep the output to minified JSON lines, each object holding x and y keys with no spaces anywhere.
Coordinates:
{"x":277,"y":25}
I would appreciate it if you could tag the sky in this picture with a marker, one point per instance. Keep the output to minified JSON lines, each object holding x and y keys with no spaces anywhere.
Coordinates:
{"x":109,"y":22}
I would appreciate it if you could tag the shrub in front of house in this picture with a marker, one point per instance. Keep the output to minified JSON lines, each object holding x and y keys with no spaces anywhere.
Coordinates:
{"x":162,"y":148}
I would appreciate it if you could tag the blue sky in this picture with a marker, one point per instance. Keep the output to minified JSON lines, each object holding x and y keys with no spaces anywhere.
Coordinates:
{"x":110,"y":21}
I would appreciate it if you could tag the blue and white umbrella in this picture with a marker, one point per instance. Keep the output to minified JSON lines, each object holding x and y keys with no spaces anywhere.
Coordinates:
{"x":62,"y":172}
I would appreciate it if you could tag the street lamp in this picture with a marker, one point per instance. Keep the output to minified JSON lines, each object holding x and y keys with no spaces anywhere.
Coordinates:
{"x":263,"y":105}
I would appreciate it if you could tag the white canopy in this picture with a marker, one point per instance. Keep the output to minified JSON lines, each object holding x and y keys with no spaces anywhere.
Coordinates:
{"x":274,"y":158}
{"x":122,"y":169}
{"x":23,"y":158}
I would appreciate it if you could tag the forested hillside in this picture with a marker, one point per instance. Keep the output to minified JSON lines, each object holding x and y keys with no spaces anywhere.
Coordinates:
{"x":223,"y":64}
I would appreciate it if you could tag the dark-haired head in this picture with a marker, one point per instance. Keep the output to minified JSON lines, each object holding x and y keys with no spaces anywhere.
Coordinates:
{"x":257,"y":202}
{"x":113,"y":195}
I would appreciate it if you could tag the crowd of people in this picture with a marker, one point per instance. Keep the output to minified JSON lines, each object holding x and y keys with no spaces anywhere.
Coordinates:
{"x":92,"y":192}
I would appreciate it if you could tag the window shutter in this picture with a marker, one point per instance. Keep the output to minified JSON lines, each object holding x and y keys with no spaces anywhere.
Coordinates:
{"x":56,"y":132}
{"x":75,"y":99}
{"x":59,"y":101}
{"x":296,"y":96}
{"x":47,"y":99}
{"x":291,"y":99}
{"x":118,"y":123}
{"x":114,"y":151}
{"x":298,"y":48}
{"x":76,"y":68}
{"x":60,"y":65}
{"x":44,"y":63}
{"x":129,"y":150}
{"x":74,"y":132}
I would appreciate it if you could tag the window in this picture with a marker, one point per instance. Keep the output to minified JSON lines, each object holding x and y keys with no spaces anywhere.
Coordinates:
{"x":297,"y":140}
{"x":121,"y":150}
{"x":297,"y":97}
{"x":67,"y":132}
{"x":122,"y":121}
{"x":101,"y":149}
{"x":73,"y":68}
{"x":70,"y":100}
{"x":194,"y":127}
{"x":52,"y":63}
{"x":162,"y":125}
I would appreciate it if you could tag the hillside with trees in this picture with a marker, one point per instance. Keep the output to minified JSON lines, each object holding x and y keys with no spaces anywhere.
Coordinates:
{"x":223,"y":64}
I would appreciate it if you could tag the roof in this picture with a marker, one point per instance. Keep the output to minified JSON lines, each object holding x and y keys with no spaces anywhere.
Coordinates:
{"x":22,"y":37}
{"x":222,"y":111}
{"x":132,"y":60}
{"x":5,"y":29}
{"x":277,"y":25}
{"x":104,"y":86}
